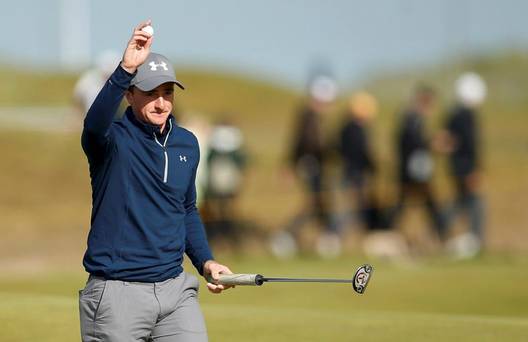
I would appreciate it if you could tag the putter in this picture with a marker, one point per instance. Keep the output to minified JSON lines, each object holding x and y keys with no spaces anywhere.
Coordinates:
{"x":359,"y":281}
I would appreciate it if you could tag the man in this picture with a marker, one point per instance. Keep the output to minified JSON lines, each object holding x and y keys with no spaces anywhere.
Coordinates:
{"x":144,"y":217}
{"x":461,"y":141}
{"x":415,"y":161}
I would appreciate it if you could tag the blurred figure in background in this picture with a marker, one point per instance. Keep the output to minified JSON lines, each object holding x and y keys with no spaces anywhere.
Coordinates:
{"x":226,"y":163}
{"x":415,"y":163}
{"x":201,"y":127}
{"x":460,"y":140}
{"x":356,"y":155}
{"x":92,"y":80}
{"x":359,"y":170}
{"x":306,"y":159}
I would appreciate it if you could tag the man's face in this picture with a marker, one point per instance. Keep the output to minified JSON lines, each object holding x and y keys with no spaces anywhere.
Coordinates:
{"x":152,"y":106}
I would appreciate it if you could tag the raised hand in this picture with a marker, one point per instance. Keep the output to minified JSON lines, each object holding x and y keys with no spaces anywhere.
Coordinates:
{"x":138,"y":48}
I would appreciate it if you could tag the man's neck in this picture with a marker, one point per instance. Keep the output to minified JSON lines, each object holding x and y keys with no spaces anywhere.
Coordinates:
{"x":162,"y":127}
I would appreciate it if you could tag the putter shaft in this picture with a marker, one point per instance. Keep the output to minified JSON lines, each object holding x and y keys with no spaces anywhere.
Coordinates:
{"x":306,"y":280}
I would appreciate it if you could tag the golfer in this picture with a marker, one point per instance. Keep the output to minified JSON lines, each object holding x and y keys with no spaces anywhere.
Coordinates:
{"x":144,"y":216}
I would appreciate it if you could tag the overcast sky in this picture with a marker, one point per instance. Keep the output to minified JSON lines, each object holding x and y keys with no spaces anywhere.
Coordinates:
{"x":273,"y":39}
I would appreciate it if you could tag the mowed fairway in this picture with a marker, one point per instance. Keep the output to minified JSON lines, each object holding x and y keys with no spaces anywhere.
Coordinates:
{"x":436,"y":300}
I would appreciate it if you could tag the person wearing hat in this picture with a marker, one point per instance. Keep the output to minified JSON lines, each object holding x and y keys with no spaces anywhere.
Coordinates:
{"x":460,"y":139}
{"x":144,"y":216}
{"x":307,"y":156}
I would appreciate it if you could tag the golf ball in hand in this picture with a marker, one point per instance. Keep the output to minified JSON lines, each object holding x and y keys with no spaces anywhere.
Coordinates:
{"x":148,"y":29}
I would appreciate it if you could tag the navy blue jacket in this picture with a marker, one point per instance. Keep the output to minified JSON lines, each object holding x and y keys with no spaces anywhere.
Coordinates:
{"x":144,"y":215}
{"x":411,"y":138}
{"x":355,"y":151}
{"x":463,"y":127}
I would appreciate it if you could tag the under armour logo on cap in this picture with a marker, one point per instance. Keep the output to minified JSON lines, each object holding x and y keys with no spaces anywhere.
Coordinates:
{"x":154,"y":66}
{"x":156,"y":71}
{"x":183,"y":158}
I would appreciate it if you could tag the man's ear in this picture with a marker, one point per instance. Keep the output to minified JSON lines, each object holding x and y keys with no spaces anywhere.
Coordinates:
{"x":128,"y":95}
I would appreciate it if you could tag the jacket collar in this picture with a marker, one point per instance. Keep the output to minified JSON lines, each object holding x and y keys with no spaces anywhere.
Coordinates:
{"x":148,"y":129}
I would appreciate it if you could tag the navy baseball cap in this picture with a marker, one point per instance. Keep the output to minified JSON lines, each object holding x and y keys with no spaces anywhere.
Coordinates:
{"x":155,"y":71}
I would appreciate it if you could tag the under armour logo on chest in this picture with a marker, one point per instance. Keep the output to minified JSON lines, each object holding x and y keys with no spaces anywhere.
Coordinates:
{"x":154,"y":66}
{"x":183,"y":158}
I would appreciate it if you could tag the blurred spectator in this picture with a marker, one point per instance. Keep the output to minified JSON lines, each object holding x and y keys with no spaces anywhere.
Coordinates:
{"x":359,"y":169}
{"x":91,"y":81}
{"x":461,"y":141}
{"x":226,"y":162}
{"x":201,"y":128}
{"x":307,"y":157}
{"x":415,"y":161}
{"x":357,"y":157}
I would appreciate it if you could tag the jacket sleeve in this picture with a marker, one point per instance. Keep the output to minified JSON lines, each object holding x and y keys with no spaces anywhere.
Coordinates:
{"x":196,"y":245}
{"x":96,"y":135}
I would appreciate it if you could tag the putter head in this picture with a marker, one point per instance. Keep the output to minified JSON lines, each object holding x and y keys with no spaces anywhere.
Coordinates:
{"x":361,"y":278}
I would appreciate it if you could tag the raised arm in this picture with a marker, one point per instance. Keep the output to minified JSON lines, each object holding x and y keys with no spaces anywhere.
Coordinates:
{"x":96,"y":131}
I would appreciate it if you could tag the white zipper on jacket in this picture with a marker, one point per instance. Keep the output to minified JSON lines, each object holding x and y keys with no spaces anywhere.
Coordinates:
{"x":166,"y":169}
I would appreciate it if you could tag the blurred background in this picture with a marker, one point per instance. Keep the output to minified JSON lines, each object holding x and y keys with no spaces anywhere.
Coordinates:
{"x":331,"y":134}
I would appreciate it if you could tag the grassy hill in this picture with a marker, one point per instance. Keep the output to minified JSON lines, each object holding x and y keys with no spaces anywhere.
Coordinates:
{"x":46,"y":187}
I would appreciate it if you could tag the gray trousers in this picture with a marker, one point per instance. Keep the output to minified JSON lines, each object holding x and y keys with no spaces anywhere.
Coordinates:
{"x":119,"y":311}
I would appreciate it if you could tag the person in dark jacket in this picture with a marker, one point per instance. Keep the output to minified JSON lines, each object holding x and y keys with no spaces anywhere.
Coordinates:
{"x":144,"y":215}
{"x":461,"y":141}
{"x":415,"y":163}
{"x":306,"y":159}
{"x":356,"y":155}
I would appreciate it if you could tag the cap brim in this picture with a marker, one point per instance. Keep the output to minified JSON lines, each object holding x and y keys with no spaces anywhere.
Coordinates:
{"x":153,"y":82}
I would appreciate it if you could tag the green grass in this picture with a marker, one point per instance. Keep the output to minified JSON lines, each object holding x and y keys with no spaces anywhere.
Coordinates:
{"x":436,"y":300}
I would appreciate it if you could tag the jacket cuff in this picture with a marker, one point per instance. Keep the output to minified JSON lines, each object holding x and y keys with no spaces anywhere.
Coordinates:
{"x":121,"y":77}
{"x":204,"y":258}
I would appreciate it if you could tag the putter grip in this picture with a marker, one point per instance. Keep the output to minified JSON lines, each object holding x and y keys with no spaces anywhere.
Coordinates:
{"x":237,"y":279}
